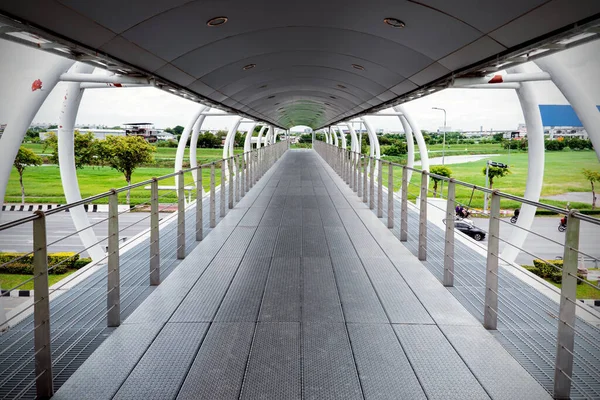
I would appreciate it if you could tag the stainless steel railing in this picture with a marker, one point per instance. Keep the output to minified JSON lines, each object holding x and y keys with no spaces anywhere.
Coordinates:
{"x":238,"y":175}
{"x":365,"y":175}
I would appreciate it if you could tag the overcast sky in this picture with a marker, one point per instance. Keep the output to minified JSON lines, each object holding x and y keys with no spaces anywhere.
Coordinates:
{"x":467,"y":109}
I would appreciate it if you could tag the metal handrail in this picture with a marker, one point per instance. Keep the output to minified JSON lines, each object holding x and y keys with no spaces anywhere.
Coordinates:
{"x":65,"y":207}
{"x":347,"y":163}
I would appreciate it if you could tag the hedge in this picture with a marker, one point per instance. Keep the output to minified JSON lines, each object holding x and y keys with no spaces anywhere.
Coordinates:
{"x":544,"y":270}
{"x":24,"y":265}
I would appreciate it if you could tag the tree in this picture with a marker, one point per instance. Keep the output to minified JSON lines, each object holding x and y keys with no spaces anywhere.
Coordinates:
{"x":592,"y":176}
{"x":439,"y":170}
{"x":496,"y":172}
{"x":125,"y":154}
{"x":24,"y":159}
{"x":85,"y":146}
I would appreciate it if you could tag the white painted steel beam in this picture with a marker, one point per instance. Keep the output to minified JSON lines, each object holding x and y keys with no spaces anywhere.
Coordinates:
{"x":93,"y":78}
{"x":66,"y":162}
{"x":535,"y":167}
{"x":26,"y":101}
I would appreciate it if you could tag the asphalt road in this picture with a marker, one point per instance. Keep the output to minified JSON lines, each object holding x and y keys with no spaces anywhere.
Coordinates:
{"x":19,"y":238}
{"x":589,"y":239}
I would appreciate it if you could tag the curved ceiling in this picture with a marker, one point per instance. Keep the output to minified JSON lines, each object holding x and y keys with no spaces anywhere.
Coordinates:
{"x":314,"y":62}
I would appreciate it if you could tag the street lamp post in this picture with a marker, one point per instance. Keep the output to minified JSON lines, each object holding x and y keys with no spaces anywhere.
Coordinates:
{"x":444,"y":139}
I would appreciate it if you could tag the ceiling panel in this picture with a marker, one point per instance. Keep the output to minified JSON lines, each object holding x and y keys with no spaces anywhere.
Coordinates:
{"x":302,"y":51}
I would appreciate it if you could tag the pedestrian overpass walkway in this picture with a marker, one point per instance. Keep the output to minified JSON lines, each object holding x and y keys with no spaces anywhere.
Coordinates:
{"x":300,"y":292}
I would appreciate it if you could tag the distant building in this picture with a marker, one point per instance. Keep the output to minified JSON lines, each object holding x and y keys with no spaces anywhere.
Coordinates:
{"x":561,"y":121}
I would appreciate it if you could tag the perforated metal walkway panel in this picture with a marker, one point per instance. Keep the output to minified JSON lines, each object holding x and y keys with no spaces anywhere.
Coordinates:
{"x":308,"y":298}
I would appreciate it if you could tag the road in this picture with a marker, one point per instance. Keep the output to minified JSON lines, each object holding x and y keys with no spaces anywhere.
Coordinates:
{"x":589,"y":238}
{"x":19,"y":238}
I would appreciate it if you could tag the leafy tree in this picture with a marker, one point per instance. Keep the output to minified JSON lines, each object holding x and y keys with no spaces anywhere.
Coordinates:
{"x":85,"y":146}
{"x":496,"y":172}
{"x":592,"y":176}
{"x":24,"y":159}
{"x":439,"y":170}
{"x":125,"y":154}
{"x":498,"y":137}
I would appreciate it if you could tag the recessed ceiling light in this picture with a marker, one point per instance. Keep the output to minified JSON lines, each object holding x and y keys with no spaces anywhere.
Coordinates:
{"x":327,"y":104}
{"x":359,"y":67}
{"x":341,"y":86}
{"x":271,"y":96}
{"x":394,"y":22}
{"x":249,"y":66}
{"x":333,"y":97}
{"x":216,"y":21}
{"x":276,"y":104}
{"x":262,"y":87}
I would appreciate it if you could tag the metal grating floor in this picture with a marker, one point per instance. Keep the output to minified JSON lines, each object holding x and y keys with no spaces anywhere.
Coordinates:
{"x":527,"y":319}
{"x":302,"y":299}
{"x":78,"y":320}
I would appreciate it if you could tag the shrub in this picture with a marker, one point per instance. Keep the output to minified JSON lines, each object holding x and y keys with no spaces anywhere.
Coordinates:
{"x":82,"y":262}
{"x":545,"y":269}
{"x":25,"y":264}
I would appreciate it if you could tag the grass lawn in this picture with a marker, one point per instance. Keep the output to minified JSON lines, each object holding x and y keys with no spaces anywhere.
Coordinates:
{"x":583,"y":291}
{"x":562,"y":174}
{"x":9,"y":281}
{"x":43,"y":184}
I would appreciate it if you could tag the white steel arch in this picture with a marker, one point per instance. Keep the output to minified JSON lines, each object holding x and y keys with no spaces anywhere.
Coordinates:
{"x":577,"y":95}
{"x":336,"y":142}
{"x":66,"y":161}
{"x":342,"y":136}
{"x":418,"y":135}
{"x":375,"y":150}
{"x":535,"y":164}
{"x":27,"y":101}
{"x":194,"y":146}
{"x":410,"y":146}
{"x":183,"y":141}
{"x":260,"y":136}
{"x":354,"y":145}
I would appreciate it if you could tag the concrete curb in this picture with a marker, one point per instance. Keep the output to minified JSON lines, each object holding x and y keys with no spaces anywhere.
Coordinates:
{"x":17,"y":293}
{"x":47,"y":207}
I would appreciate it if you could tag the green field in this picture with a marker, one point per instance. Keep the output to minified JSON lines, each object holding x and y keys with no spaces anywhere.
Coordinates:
{"x":9,"y":281}
{"x":43,"y":184}
{"x":562,"y":174}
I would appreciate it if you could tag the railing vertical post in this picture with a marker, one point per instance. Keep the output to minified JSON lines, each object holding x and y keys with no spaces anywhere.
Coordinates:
{"x":231,"y":194}
{"x":365,"y":179}
{"x":379,"y":188}
{"x":371,"y":183}
{"x":563,"y":369}
{"x":423,"y":217}
{"x":199,"y":206}
{"x":490,"y":314}
{"x":154,"y":235}
{"x":223,"y":189}
{"x":113,"y":293}
{"x":449,"y":245}
{"x":390,"y":210}
{"x":242,"y":175}
{"x":404,"y":206}
{"x":347,"y":168}
{"x":248,"y":173}
{"x":238,"y":174}
{"x":180,"y":217}
{"x":213,"y":201}
{"x":41,"y":310}
{"x":354,"y":172}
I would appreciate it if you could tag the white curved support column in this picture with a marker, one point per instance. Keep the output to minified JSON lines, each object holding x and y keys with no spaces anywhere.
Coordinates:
{"x":535,"y":167}
{"x":354,"y":145}
{"x":66,"y":162}
{"x":26,"y":101}
{"x":183,"y":141}
{"x":410,"y":145}
{"x":227,"y":148}
{"x":194,"y":146}
{"x":375,"y":150}
{"x":260,"y":136}
{"x":577,"y":94}
{"x":418,"y":135}
{"x":336,"y":142}
{"x":342,"y":137}
{"x":248,"y":139}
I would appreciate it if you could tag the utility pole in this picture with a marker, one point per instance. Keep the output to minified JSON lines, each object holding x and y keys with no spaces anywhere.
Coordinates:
{"x":444,"y":137}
